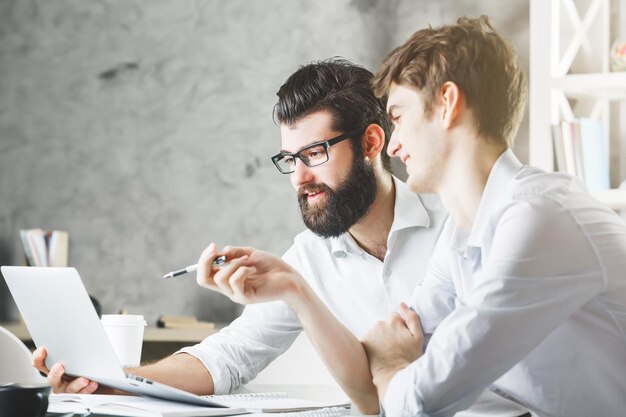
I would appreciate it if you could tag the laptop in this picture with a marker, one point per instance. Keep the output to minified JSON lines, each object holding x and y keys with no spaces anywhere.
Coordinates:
{"x":60,"y":316}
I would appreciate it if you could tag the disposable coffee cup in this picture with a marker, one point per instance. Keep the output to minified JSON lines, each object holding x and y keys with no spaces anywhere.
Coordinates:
{"x":125,"y":331}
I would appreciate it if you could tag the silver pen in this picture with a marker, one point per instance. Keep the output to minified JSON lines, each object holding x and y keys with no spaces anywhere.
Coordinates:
{"x":217,"y":263}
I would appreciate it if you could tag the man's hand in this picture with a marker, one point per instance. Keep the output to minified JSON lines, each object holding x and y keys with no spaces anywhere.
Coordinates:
{"x":392,"y":345}
{"x":250,"y":276}
{"x":56,"y":378}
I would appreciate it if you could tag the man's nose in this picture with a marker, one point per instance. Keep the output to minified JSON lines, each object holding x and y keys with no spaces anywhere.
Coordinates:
{"x":302,"y":174}
{"x":393,"y":148}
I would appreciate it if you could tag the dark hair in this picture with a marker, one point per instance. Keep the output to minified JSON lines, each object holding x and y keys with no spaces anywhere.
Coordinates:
{"x":340,"y":87}
{"x":477,"y":59}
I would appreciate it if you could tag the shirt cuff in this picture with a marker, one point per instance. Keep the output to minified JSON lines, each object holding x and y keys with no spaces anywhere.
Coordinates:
{"x":219,"y":373}
{"x":393,"y":403}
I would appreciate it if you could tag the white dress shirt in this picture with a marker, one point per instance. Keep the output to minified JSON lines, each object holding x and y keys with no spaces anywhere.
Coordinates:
{"x":357,"y":288}
{"x":540,"y":313}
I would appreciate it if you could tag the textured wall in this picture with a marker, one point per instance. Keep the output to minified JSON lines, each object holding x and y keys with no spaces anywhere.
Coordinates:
{"x":144,"y":128}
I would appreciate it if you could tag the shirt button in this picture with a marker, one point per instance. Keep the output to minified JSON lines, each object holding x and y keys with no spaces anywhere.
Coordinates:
{"x":387,"y":273}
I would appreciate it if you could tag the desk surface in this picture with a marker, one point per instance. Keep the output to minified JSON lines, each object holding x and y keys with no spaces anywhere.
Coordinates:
{"x":329,"y":394}
{"x":151,"y":334}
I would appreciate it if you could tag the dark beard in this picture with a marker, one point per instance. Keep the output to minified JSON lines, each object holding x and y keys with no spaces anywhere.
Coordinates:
{"x":342,"y":208}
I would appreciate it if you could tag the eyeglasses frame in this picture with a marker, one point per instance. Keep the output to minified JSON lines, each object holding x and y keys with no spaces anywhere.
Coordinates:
{"x":325,"y":143}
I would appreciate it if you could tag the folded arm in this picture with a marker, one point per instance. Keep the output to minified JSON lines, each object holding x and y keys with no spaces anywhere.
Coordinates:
{"x":522,"y":293}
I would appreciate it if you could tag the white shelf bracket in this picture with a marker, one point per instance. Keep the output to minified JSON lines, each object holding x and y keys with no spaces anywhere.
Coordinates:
{"x":581,"y":28}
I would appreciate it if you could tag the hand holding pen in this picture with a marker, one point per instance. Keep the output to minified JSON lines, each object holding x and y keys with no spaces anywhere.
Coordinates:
{"x":251,"y":276}
{"x":221,"y":279}
{"x":217,"y":263}
{"x":246,"y":275}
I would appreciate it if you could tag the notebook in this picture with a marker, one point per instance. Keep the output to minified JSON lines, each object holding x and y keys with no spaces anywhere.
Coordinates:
{"x":130,"y":406}
{"x":60,"y":316}
{"x":272,"y":402}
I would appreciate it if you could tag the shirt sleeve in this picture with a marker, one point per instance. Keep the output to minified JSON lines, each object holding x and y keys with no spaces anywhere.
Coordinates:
{"x":524,"y":291}
{"x":236,"y":354}
{"x":434,"y":298}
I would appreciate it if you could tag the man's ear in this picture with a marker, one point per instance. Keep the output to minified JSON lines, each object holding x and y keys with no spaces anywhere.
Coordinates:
{"x":452,"y":101}
{"x":373,"y":141}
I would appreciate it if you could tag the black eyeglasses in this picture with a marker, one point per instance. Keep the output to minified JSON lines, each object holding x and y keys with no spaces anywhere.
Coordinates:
{"x":312,"y":155}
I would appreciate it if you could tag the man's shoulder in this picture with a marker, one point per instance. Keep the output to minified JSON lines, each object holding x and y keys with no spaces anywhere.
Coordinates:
{"x":533,"y":183}
{"x":539,"y":197}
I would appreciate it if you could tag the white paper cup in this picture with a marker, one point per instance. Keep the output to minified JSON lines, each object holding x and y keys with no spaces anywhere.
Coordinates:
{"x":125,"y":331}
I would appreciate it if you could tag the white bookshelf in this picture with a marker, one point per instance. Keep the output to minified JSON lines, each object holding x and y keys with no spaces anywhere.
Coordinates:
{"x":608,"y":86}
{"x":570,"y":78}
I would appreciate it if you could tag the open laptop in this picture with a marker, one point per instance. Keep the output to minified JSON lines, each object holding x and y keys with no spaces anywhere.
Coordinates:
{"x":60,"y":316}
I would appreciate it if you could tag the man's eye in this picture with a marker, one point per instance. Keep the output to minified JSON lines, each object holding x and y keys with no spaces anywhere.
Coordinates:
{"x":315,"y":153}
{"x":289,"y":160}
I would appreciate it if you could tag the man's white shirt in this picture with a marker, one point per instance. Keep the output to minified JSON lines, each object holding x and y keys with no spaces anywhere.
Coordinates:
{"x":356,"y":287}
{"x":540,"y":304}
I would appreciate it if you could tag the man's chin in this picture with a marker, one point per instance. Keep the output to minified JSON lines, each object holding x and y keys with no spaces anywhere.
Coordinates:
{"x":324,"y":233}
{"x":418,"y":185}
{"x":314,"y":209}
{"x":318,"y":224}
{"x":316,"y":202}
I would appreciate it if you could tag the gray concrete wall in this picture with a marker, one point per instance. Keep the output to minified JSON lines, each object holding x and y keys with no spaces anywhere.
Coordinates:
{"x":144,"y":127}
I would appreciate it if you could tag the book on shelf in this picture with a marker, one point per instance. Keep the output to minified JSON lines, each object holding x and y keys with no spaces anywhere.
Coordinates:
{"x":580,"y":150}
{"x":559,"y":149}
{"x":183,"y":322}
{"x":595,"y":156}
{"x":45,"y":247}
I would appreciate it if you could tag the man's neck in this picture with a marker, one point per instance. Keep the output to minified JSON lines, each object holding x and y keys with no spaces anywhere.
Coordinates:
{"x":371,"y":232}
{"x":462,"y":188}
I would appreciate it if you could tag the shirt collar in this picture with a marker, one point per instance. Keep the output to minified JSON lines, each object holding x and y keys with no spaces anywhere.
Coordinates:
{"x":408,"y":212}
{"x":502,"y":172}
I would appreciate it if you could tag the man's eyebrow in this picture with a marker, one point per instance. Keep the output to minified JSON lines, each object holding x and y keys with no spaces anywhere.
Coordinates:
{"x":284,"y":152}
